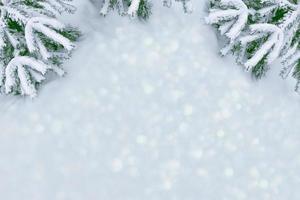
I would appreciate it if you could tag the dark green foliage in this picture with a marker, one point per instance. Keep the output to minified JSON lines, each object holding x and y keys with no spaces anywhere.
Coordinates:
{"x":255,"y":4}
{"x":56,"y":60}
{"x":71,"y":33}
{"x":260,"y":69}
{"x":279,"y":14}
{"x":14,"y":26}
{"x":33,"y":3}
{"x":251,"y":48}
{"x":23,"y":51}
{"x":7,"y":53}
{"x":296,"y":73}
{"x":296,"y":38}
{"x":277,"y":17}
{"x":50,"y":44}
{"x":15,"y":45}
{"x":144,"y":10}
{"x":114,"y":4}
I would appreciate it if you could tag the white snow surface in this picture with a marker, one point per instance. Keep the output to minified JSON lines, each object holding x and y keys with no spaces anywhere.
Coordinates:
{"x":151,"y":112}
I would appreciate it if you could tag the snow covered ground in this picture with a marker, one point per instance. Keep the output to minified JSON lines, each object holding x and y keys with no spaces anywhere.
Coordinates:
{"x":151,"y":112}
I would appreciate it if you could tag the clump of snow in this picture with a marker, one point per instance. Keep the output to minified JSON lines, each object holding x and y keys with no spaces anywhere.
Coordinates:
{"x":137,"y":118}
{"x":237,"y":17}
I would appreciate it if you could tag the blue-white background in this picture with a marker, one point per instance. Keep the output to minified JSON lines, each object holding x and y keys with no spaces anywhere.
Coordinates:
{"x":149,"y":111}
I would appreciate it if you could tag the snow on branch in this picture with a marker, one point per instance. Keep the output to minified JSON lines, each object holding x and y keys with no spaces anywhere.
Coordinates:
{"x":138,"y":8}
{"x":42,"y":25}
{"x":22,"y":73}
{"x":270,"y":49}
{"x":260,"y":32}
{"x":32,"y":42}
{"x":232,"y":17}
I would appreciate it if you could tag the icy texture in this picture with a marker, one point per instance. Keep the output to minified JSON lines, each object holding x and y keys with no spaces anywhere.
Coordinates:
{"x":151,"y":112}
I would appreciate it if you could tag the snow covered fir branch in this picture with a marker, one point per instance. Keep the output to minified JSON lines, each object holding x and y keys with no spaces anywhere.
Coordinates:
{"x":137,"y":8}
{"x":260,"y":32}
{"x":32,"y":43}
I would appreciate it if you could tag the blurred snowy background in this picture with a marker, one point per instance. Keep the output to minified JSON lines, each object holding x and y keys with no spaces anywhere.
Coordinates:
{"x":151,"y":112}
